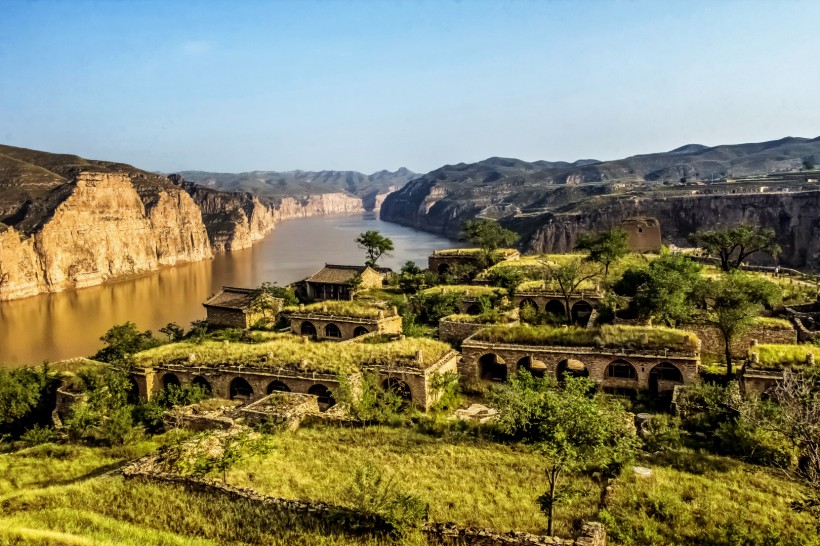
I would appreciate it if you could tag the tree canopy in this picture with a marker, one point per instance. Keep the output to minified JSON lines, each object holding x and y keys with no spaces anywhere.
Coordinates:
{"x":732,"y":245}
{"x":569,"y":277}
{"x":731,"y":303}
{"x":375,"y":245}
{"x":605,"y":247}
{"x":488,"y":235}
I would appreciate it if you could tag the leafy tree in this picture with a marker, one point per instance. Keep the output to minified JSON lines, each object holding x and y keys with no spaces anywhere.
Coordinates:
{"x":122,"y":341}
{"x":732,"y":302}
{"x":605,"y":247}
{"x":572,"y":426}
{"x":103,"y":413}
{"x":736,"y":243}
{"x":375,"y":244}
{"x":412,"y":278}
{"x":568,"y":276}
{"x":808,"y":163}
{"x":507,"y":278}
{"x":368,"y":402}
{"x":270,"y":290}
{"x":489,"y":236}
{"x":174,"y":331}
{"x":24,"y":397}
{"x":432,"y":307}
{"x":663,"y":291}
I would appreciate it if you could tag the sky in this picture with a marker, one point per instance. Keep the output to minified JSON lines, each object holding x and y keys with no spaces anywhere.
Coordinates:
{"x":371,"y":85}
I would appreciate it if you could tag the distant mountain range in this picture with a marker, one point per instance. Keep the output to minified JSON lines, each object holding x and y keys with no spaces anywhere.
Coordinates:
{"x":572,"y":196}
{"x":276,"y":185}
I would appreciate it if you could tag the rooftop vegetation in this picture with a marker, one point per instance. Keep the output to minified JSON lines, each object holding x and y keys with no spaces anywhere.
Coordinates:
{"x":627,"y":337}
{"x":292,"y":352}
{"x":483,"y":318}
{"x":777,"y":356}
{"x":773,"y":323}
{"x":552,"y":286}
{"x":354,"y":309}
{"x":471,"y":252}
{"x":465,"y":290}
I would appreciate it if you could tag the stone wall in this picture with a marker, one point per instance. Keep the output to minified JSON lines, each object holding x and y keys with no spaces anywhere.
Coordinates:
{"x":712,"y":341}
{"x":592,"y":534}
{"x":231,"y":318}
{"x":456,"y":332}
{"x":595,"y":360}
{"x":348,"y":326}
{"x":644,"y":234}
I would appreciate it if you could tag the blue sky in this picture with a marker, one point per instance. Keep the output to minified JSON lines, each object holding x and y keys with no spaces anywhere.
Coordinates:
{"x":238,"y":86}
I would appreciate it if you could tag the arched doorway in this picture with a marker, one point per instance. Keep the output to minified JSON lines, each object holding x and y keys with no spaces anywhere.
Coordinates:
{"x":581,"y":311}
{"x":492,"y":367}
{"x":277,"y":386}
{"x":133,"y":390}
{"x":474,"y":309}
{"x":326,"y":400}
{"x":663,"y":378}
{"x":443,"y":269}
{"x":331,"y":330}
{"x":240,"y":389}
{"x":556,"y":309}
{"x":360,"y":331}
{"x":398,"y":387}
{"x":308,"y":329}
{"x":528,"y":302}
{"x":621,"y":369}
{"x":535,"y":367}
{"x":202,"y":383}
{"x":170,"y":379}
{"x":571,"y":366}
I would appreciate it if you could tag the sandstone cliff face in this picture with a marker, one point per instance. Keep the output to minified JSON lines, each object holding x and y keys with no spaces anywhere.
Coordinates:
{"x":234,"y":220}
{"x":793,"y":215}
{"x":101,"y":230}
{"x":317,"y":205}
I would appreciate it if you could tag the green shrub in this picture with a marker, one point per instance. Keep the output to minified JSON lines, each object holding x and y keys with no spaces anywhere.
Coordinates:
{"x":38,"y":435}
{"x":370,"y":492}
{"x":661,"y":431}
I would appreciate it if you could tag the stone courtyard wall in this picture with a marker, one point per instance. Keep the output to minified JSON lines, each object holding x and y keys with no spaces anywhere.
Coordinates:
{"x":347,"y":325}
{"x":712,"y":341}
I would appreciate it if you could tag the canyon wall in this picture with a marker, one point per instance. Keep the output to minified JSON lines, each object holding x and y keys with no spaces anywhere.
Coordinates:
{"x":288,"y":208}
{"x":102,"y":229}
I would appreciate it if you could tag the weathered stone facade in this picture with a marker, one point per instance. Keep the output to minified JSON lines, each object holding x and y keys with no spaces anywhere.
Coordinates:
{"x":453,"y":331}
{"x":712,"y":341}
{"x":612,"y":369}
{"x":338,"y":282}
{"x":252,"y":383}
{"x":442,"y":261}
{"x":644,"y":234}
{"x":338,"y":328}
{"x":581,"y":304}
{"x":232,"y":308}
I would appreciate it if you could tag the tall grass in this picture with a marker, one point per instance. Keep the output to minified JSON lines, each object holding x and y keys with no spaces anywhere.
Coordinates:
{"x":353,"y":309}
{"x":782,"y":356}
{"x":628,"y":337}
{"x":465,"y":290}
{"x":286,"y":350}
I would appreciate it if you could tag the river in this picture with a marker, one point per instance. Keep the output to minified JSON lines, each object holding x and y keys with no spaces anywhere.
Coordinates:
{"x":69,"y":324}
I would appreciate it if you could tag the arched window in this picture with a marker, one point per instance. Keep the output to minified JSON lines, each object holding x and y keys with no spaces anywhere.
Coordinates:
{"x":277,"y":386}
{"x":535,"y":367}
{"x":528,"y":302}
{"x":572,"y":367}
{"x":326,"y":400}
{"x":443,"y":269}
{"x":202,"y":383}
{"x":474,"y":309}
{"x":557,"y":309}
{"x":666,"y":371}
{"x":240,"y":389}
{"x":492,"y":367}
{"x":360,"y":331}
{"x":331,"y":330}
{"x":398,"y":387}
{"x":621,"y":369}
{"x":581,"y":311}
{"x":170,"y":379}
{"x":308,"y":329}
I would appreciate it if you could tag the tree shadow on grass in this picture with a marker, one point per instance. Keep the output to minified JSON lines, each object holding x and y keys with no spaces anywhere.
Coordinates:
{"x":97,"y":472}
{"x":692,"y":462}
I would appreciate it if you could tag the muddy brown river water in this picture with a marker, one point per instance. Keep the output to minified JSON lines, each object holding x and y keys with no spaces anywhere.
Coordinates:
{"x":69,"y":324}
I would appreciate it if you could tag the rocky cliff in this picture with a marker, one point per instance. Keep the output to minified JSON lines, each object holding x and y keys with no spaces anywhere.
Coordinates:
{"x":234,"y":220}
{"x":99,"y":228}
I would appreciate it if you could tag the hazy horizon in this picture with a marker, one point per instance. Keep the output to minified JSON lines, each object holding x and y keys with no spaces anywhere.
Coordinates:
{"x":224,"y":87}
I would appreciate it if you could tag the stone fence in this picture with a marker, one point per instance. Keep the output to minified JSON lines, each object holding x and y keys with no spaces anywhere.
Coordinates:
{"x":712,"y":341}
{"x":358,"y":522}
{"x":455,"y":332}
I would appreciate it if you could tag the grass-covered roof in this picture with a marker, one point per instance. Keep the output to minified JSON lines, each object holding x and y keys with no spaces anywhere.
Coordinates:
{"x":608,"y":336}
{"x":294,"y":353}
{"x":465,"y":290}
{"x":354,"y":309}
{"x":776,"y":356}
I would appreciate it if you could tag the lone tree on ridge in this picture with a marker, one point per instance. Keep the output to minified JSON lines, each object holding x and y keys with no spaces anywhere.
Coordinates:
{"x":605,"y":247}
{"x":489,"y":236}
{"x":736,"y":243}
{"x":375,"y":245}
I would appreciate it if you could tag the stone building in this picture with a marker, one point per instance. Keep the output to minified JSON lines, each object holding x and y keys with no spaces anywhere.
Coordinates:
{"x":329,"y":321}
{"x":338,"y":282}
{"x":231,"y":308}
{"x":649,"y":363}
{"x":765,"y":364}
{"x":249,"y":372}
{"x":581,"y":304}
{"x":644,"y":234}
{"x":442,"y":261}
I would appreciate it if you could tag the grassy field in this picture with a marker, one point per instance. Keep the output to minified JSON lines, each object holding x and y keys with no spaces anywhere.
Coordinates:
{"x":63,"y":495}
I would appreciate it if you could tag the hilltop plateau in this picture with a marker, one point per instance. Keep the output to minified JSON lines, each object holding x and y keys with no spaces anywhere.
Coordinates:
{"x":690,"y":187}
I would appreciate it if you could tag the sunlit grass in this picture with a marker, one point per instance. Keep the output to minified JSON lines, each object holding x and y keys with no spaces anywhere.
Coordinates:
{"x":353,"y":309}
{"x":465,"y":290}
{"x":783,"y":356}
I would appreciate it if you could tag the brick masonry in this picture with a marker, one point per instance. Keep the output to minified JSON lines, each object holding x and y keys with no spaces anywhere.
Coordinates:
{"x":712,"y":341}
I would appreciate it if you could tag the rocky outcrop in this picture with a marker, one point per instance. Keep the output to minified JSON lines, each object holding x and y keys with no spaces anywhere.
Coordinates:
{"x":234,"y":220}
{"x":100,"y":230}
{"x":317,"y":205}
{"x":793,"y":215}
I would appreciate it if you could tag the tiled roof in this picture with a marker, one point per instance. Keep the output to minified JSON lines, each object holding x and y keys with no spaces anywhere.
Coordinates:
{"x":231,"y":298}
{"x":341,"y":274}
